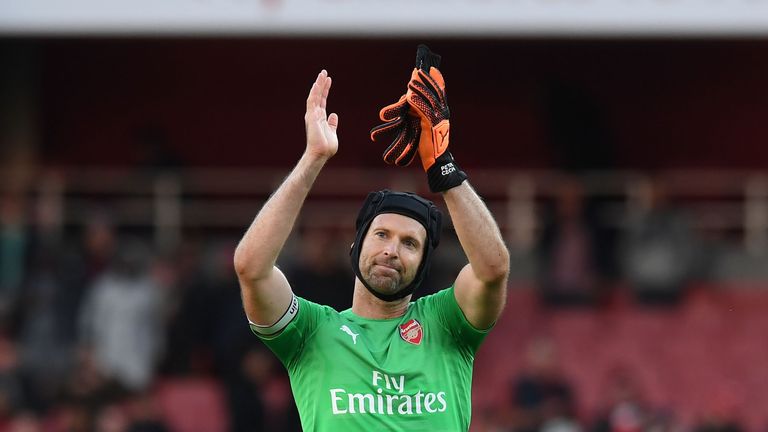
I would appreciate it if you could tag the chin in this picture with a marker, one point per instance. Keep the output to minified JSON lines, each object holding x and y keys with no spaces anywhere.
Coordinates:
{"x":386,"y":285}
{"x":383,"y":285}
{"x":386,"y":288}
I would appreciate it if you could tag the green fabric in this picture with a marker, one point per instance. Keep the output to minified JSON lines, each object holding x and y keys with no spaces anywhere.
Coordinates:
{"x":371,"y":378}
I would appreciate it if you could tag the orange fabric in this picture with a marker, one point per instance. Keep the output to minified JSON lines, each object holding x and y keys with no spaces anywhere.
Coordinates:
{"x":426,"y":96}
{"x":404,"y":125}
{"x":392,"y":111}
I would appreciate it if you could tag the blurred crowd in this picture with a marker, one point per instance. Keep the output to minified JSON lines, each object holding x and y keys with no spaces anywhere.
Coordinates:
{"x":100,"y":331}
{"x":542,"y":398}
{"x":657,"y":251}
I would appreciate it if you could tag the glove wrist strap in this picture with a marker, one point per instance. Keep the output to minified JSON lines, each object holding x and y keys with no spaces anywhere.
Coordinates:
{"x":444,"y":174}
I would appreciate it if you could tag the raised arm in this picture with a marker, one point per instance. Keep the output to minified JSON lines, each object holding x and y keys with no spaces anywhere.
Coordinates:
{"x":265,"y":291}
{"x":481,"y":287}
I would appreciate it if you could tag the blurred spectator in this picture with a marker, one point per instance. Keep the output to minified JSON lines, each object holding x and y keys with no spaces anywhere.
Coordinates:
{"x":278,"y":400}
{"x":13,"y":253}
{"x":111,"y":418}
{"x":574,"y":249}
{"x":46,"y":332}
{"x":12,"y":386}
{"x":47,"y":336}
{"x":144,"y":415}
{"x":209,"y":334}
{"x":320,"y":274}
{"x":246,"y":398}
{"x":188,"y":315}
{"x":99,"y":244}
{"x":542,"y":397}
{"x":258,"y":392}
{"x":221,"y":309}
{"x":625,"y":410}
{"x":58,"y":274}
{"x":660,"y":254}
{"x":122,"y":319}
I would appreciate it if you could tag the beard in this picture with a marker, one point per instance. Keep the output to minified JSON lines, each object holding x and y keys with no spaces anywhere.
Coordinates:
{"x":384,"y":276}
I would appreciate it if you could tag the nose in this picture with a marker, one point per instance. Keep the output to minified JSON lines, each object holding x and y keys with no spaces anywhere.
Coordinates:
{"x":390,"y":249}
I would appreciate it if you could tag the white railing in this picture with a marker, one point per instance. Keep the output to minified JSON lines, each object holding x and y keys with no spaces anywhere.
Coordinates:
{"x":168,"y":202}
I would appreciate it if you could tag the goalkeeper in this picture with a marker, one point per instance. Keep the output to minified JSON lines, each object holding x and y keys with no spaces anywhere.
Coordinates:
{"x":387,"y":363}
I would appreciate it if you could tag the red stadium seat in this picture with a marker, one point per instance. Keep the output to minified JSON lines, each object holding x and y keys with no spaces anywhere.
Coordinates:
{"x":704,"y":355}
{"x":192,"y":405}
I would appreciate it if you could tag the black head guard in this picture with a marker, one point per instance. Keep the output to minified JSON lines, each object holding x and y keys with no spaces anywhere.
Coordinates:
{"x":403,"y":203}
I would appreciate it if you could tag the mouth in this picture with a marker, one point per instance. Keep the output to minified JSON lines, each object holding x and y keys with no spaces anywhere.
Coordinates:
{"x":388,"y":267}
{"x":385,"y":277}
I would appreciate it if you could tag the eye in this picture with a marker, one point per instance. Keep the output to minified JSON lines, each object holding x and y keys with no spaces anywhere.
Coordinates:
{"x":410,"y":243}
{"x":380,"y":234}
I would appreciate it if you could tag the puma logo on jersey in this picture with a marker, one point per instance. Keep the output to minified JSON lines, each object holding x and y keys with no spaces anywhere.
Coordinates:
{"x":346,"y":330}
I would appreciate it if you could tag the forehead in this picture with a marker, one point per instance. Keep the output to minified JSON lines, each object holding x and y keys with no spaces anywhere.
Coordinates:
{"x":399,"y":223}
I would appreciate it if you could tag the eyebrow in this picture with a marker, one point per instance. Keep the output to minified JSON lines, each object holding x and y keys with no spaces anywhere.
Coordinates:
{"x":415,"y":240}
{"x":405,"y":236}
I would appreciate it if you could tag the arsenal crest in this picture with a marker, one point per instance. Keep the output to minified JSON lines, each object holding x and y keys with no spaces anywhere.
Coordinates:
{"x":411,"y":332}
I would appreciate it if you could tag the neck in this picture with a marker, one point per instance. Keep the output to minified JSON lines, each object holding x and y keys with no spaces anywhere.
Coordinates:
{"x":367,"y":305}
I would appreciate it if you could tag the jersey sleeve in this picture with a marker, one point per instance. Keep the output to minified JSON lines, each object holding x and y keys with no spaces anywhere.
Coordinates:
{"x":289,"y":343}
{"x":452,"y":318}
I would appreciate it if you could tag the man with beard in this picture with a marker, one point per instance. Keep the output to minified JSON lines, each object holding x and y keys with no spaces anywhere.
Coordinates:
{"x":387,"y":363}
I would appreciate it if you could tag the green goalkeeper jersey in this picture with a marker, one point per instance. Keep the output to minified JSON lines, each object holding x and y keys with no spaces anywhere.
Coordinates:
{"x":350,"y":373}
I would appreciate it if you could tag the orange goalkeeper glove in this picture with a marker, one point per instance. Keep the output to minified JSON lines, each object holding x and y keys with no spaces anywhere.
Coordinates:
{"x":402,"y":122}
{"x":406,"y":129}
{"x":426,"y":97}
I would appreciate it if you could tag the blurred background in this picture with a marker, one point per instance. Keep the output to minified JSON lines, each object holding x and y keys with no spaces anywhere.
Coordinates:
{"x":622,"y":147}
